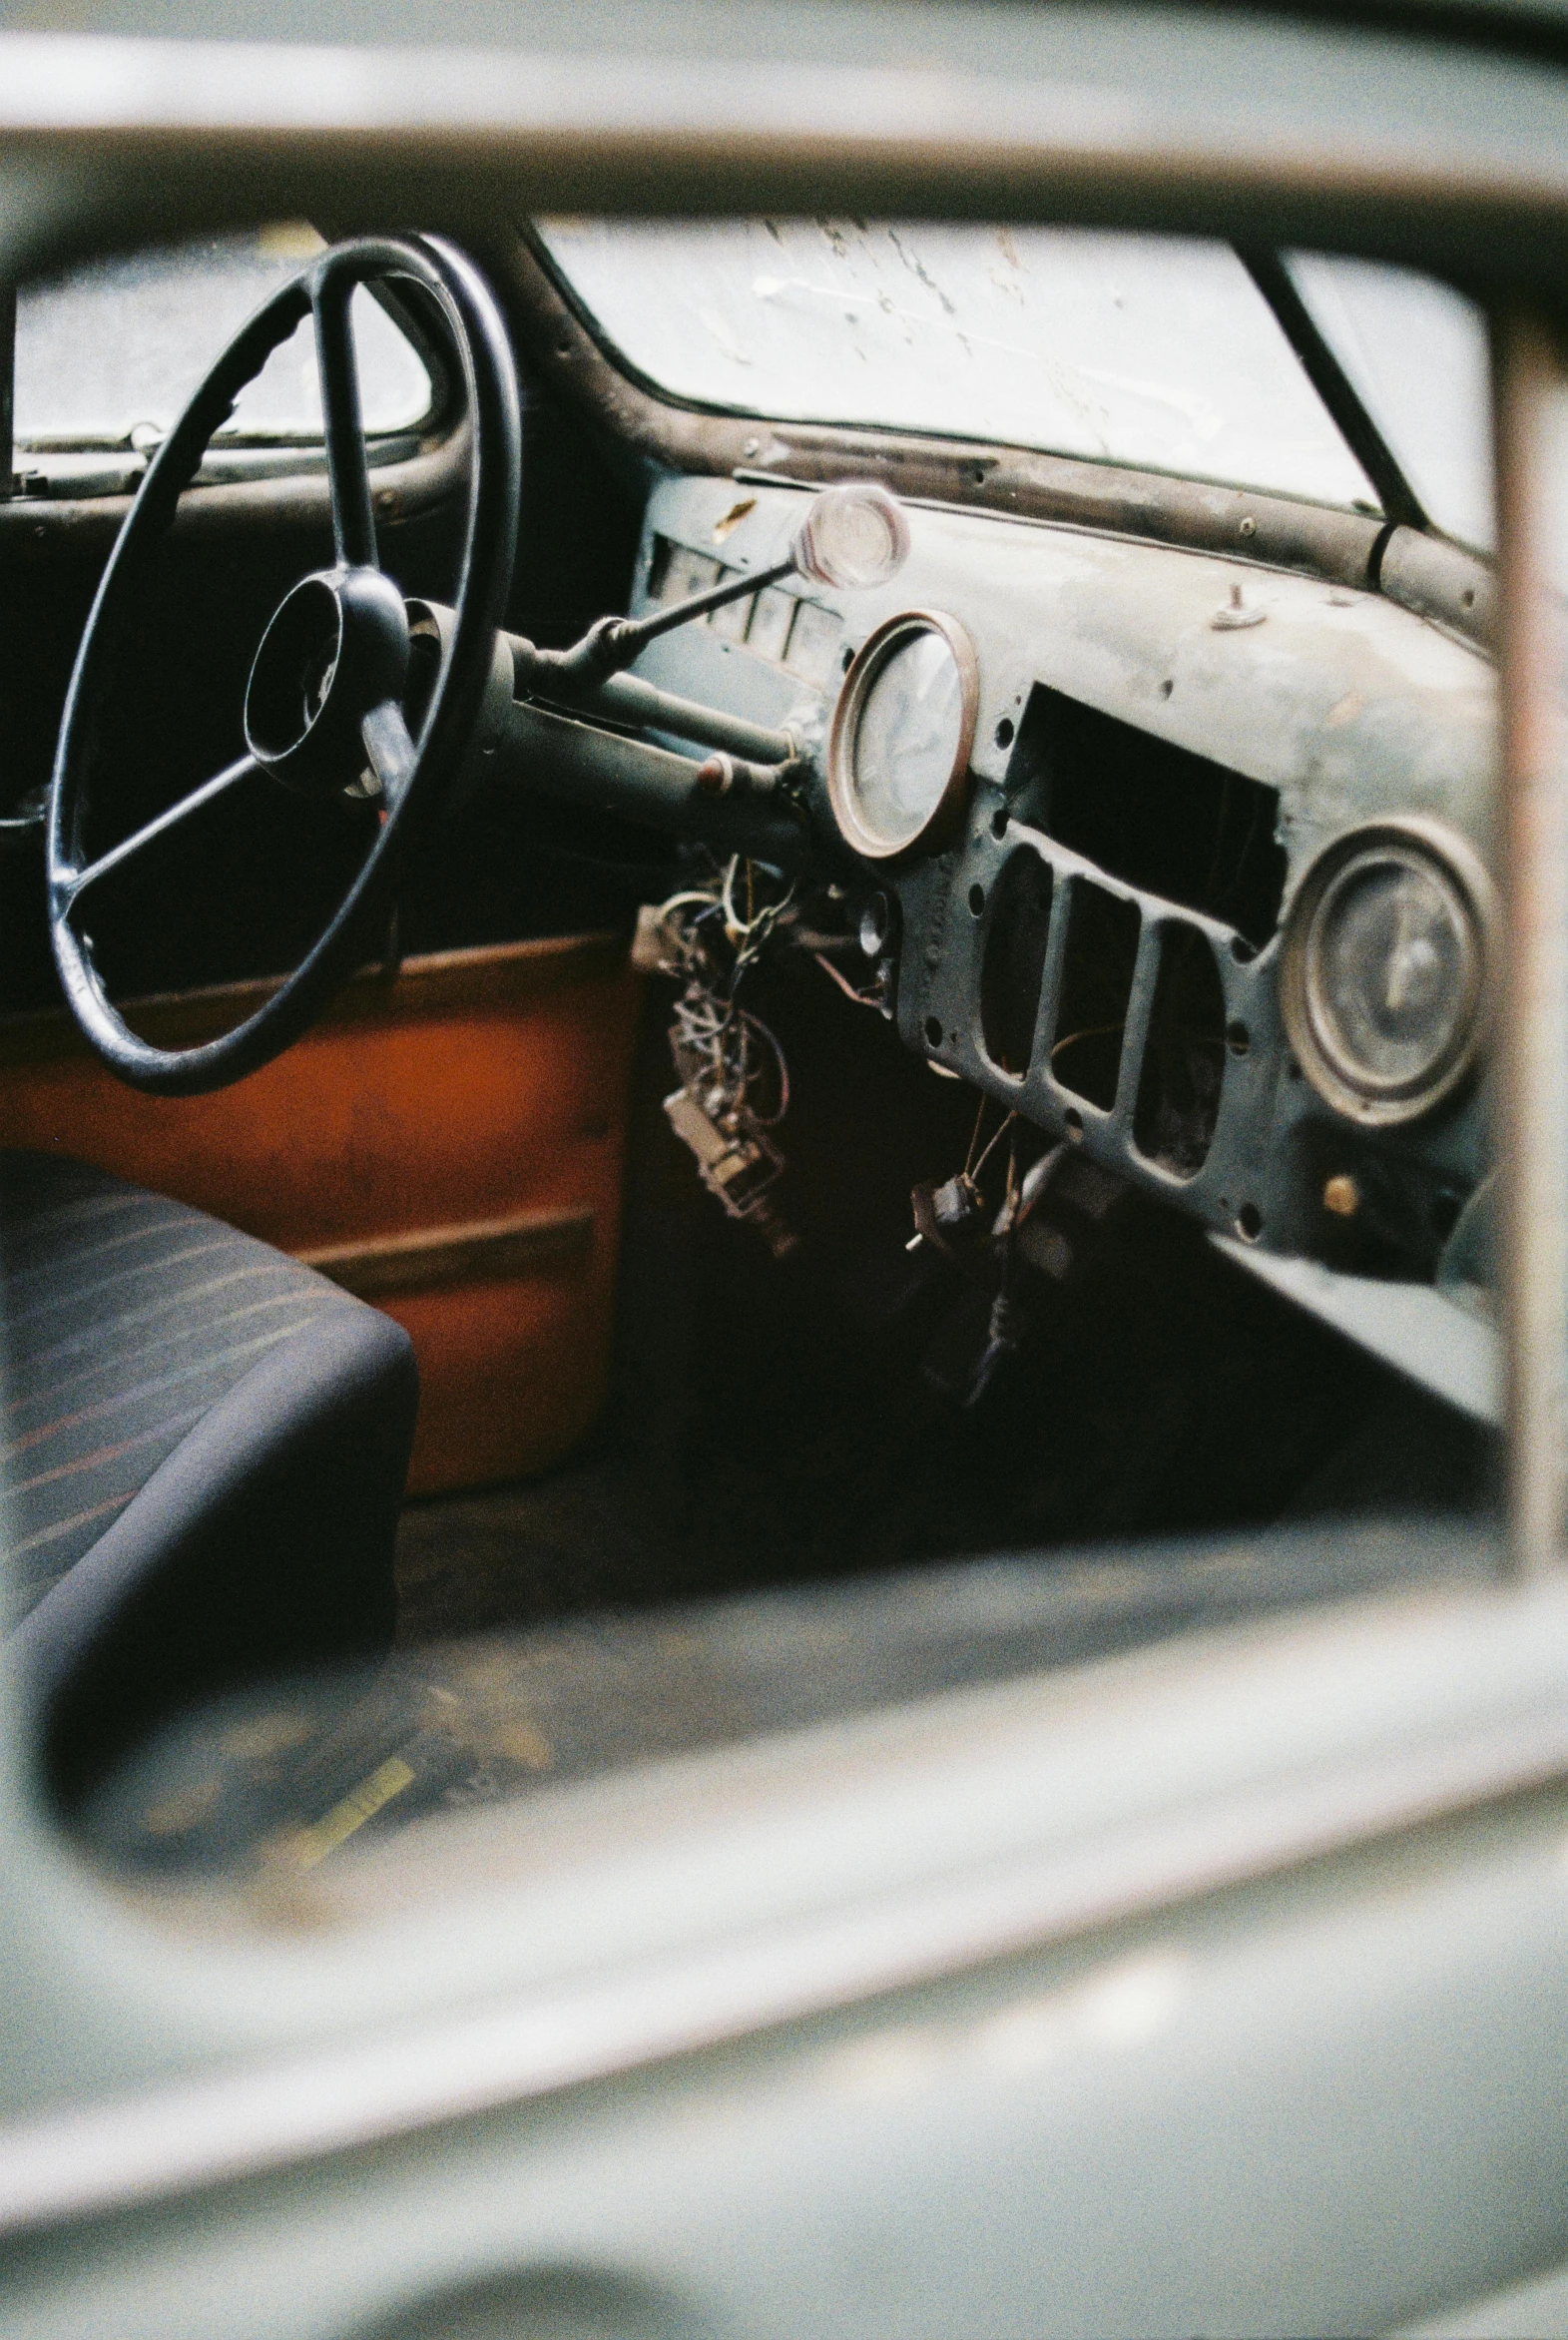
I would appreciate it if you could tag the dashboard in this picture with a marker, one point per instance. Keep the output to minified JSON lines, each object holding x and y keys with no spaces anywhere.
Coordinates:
{"x":1181,"y":857}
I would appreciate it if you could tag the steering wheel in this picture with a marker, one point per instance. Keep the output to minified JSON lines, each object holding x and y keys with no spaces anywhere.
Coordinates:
{"x":323,"y":707}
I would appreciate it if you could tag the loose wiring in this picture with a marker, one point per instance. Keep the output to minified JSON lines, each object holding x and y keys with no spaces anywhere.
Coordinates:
{"x":725,"y":1052}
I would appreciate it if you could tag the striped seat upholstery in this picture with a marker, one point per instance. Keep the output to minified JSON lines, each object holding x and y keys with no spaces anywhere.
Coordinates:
{"x":126,"y":1317}
{"x":173,"y":1396}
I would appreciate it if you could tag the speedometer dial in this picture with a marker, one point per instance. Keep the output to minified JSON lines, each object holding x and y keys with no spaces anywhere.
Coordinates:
{"x":903,"y":729}
{"x":1383,"y":970}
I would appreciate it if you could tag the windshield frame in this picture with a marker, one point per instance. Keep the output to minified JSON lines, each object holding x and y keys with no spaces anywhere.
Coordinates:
{"x":569,"y":352}
{"x":1341,"y":402}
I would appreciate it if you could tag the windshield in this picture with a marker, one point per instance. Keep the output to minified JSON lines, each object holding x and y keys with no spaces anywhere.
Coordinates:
{"x":108,"y":354}
{"x":1417,"y":354}
{"x":1153,"y":351}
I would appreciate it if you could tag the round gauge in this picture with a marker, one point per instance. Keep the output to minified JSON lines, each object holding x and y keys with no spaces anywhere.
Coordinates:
{"x":1383,"y":969}
{"x":903,"y":731}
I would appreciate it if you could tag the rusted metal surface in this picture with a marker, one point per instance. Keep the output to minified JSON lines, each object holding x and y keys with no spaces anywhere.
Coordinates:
{"x":1340,"y":703}
{"x":1533,"y":826}
{"x":39,"y":529}
{"x":1442,"y":582}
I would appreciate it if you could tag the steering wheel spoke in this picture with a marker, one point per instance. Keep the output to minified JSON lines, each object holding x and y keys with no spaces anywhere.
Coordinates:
{"x":71,"y":881}
{"x":347,"y":463}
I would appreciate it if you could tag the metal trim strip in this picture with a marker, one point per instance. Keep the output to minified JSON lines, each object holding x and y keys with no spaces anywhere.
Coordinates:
{"x":238,"y":2122}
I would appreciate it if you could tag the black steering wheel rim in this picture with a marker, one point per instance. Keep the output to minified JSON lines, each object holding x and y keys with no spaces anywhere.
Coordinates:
{"x":412,"y":771}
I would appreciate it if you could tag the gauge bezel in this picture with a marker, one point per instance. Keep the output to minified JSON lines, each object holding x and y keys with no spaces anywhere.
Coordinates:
{"x":879,"y":648}
{"x":1341,"y":1083}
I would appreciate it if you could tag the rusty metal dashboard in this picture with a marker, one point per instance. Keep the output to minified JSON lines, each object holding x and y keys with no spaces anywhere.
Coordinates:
{"x":1169,"y":757}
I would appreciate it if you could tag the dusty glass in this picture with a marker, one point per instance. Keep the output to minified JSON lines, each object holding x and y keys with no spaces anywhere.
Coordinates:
{"x":1155,"y":352}
{"x":108,"y":354}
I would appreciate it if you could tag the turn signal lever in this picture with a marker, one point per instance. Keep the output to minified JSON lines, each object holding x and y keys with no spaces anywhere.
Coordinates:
{"x":853,"y":537}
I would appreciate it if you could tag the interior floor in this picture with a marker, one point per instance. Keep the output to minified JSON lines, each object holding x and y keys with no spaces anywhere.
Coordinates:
{"x":276,"y":1781}
{"x":778,"y":1423}
{"x":789,"y":1514}
{"x":595,"y":1537}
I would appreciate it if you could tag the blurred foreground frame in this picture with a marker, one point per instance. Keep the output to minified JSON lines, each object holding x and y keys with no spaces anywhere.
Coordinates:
{"x":117,"y":142}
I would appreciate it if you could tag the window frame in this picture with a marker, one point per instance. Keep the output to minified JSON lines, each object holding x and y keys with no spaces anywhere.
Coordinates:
{"x":162,"y":2126}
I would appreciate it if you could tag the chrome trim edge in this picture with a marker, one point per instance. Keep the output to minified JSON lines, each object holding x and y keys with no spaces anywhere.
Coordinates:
{"x":238,"y":2122}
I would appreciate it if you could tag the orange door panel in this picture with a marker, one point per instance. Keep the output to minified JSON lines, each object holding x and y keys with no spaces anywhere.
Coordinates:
{"x":448,"y":1143}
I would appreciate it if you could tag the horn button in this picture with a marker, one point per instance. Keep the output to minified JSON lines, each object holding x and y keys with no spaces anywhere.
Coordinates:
{"x":336,"y":646}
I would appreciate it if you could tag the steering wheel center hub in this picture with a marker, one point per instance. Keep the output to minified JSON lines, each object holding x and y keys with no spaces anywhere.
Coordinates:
{"x":336,"y":646}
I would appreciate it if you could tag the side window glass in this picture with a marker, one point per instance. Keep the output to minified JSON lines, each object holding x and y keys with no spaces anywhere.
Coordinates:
{"x":108,"y":354}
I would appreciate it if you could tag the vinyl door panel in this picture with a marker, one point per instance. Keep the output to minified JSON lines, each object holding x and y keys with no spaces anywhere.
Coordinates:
{"x":449,"y":1143}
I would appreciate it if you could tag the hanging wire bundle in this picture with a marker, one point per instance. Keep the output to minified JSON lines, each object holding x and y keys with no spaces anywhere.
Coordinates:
{"x":708,"y":937}
{"x":734,"y":1081}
